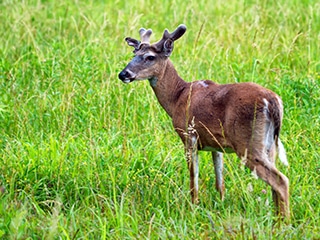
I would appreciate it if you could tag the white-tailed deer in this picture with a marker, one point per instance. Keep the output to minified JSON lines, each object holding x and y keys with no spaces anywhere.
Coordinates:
{"x":244,"y":118}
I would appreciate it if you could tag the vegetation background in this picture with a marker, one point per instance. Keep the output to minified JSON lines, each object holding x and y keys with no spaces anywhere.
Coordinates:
{"x":83,"y":156}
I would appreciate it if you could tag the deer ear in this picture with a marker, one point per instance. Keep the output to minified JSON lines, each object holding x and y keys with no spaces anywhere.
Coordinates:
{"x":133,"y":43}
{"x":168,"y":47}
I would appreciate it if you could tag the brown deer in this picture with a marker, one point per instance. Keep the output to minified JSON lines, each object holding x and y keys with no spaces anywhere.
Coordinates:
{"x":244,"y":118}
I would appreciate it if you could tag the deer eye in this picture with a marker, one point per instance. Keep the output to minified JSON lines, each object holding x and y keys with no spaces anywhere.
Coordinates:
{"x":150,"y":58}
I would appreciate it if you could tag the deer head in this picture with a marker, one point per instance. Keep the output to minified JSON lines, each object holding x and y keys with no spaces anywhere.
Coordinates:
{"x":149,"y":59}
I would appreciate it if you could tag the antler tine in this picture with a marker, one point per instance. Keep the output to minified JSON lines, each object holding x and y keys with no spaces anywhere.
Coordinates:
{"x":176,"y":34}
{"x":145,"y":35}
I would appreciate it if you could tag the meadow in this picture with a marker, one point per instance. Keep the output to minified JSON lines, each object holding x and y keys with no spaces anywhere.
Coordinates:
{"x":84,"y":156}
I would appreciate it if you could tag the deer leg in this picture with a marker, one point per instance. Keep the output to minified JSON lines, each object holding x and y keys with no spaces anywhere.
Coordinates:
{"x":276,"y":200}
{"x":275,"y":197}
{"x":217,"y":158}
{"x":278,"y":182}
{"x":193,"y":165}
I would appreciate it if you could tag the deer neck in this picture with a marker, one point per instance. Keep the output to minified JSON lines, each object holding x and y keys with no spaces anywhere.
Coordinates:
{"x":168,"y":86}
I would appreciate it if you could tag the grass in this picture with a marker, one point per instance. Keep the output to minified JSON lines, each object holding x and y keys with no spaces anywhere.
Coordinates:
{"x":84,"y":156}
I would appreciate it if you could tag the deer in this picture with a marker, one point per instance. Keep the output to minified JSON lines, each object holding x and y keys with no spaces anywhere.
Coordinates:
{"x":243,"y":118}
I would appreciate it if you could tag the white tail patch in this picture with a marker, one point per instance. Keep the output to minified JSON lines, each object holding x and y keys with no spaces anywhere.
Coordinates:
{"x":282,"y":153}
{"x":266,"y":104}
{"x":244,"y":158}
{"x":254,"y":173}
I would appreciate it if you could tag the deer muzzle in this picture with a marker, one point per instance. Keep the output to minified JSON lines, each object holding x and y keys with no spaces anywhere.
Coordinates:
{"x":126,"y":76}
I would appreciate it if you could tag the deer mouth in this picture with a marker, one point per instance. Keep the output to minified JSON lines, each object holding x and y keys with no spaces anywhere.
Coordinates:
{"x":127,"y":80}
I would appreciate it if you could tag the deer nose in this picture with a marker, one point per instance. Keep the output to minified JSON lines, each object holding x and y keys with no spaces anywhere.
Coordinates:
{"x":126,"y":76}
{"x":123,"y":75}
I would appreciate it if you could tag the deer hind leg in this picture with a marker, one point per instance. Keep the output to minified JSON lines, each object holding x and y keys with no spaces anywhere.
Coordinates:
{"x":275,"y":196}
{"x":217,"y":158}
{"x":193,"y":166}
{"x":278,"y":182}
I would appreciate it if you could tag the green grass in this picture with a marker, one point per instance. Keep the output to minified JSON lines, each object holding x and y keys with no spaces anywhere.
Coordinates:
{"x":84,"y":156}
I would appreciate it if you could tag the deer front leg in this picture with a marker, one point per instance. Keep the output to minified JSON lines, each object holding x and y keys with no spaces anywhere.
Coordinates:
{"x":193,"y":166}
{"x":217,"y":158}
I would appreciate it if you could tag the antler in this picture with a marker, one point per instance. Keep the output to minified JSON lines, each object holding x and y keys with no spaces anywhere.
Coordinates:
{"x":145,"y":35}
{"x":165,"y":44}
{"x":175,"y":35}
{"x":145,"y":38}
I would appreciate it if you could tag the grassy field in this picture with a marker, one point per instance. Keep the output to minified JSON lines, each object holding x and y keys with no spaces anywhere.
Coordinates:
{"x":83,"y":156}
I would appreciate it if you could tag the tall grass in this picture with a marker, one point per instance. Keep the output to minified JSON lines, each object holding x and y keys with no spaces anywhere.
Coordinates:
{"x":85,"y":157}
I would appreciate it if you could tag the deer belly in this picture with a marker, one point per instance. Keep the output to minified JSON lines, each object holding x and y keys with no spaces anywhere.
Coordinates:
{"x":213,"y":149}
